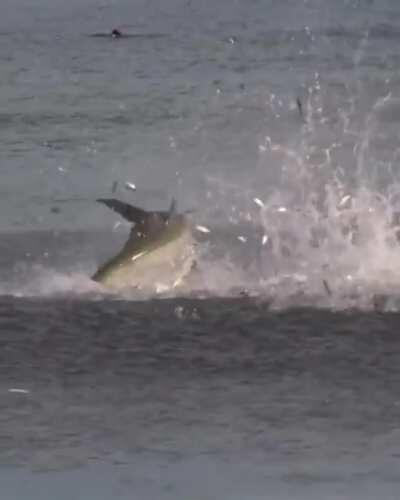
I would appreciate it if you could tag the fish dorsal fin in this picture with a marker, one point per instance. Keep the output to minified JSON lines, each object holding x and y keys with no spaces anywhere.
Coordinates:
{"x":132,"y":214}
{"x":145,"y":223}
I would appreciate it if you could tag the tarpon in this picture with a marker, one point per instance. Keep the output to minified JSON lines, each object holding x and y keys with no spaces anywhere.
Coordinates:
{"x":159,"y":252}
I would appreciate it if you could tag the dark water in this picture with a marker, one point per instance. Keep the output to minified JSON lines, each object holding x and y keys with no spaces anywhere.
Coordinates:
{"x":213,"y":398}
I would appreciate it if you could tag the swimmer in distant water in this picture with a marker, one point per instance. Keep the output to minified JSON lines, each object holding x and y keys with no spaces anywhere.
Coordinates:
{"x":116,"y":33}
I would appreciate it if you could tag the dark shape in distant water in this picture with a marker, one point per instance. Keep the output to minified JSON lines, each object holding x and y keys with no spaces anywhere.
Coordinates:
{"x":117,"y":34}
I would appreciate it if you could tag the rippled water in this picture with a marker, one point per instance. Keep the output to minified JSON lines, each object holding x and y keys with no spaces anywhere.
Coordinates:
{"x":273,"y":373}
{"x":206,"y":398}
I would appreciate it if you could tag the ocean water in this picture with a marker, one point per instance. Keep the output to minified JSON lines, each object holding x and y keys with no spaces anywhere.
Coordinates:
{"x":273,"y":373}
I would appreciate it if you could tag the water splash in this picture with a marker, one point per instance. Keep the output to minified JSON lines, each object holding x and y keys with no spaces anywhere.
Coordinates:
{"x":316,"y":221}
{"x":328,"y":232}
{"x":41,"y":281}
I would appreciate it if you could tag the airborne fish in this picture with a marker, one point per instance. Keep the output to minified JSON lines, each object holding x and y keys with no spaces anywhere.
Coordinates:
{"x":159,"y":252}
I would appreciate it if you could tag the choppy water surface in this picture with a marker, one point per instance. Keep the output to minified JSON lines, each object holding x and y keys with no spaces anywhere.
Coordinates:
{"x":200,"y":398}
{"x":274,"y":372}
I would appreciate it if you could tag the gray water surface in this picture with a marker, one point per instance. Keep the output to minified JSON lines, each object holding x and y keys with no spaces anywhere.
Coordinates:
{"x":226,"y":399}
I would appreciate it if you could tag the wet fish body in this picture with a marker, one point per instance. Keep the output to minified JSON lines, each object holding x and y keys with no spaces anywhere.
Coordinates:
{"x":158,"y":255}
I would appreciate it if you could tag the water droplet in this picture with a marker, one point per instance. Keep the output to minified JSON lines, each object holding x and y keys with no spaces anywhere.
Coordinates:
{"x":258,"y":202}
{"x":344,"y":202}
{"x":130,"y":186}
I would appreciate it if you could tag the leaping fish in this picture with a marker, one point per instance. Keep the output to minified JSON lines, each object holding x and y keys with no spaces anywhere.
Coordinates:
{"x":159,"y":252}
